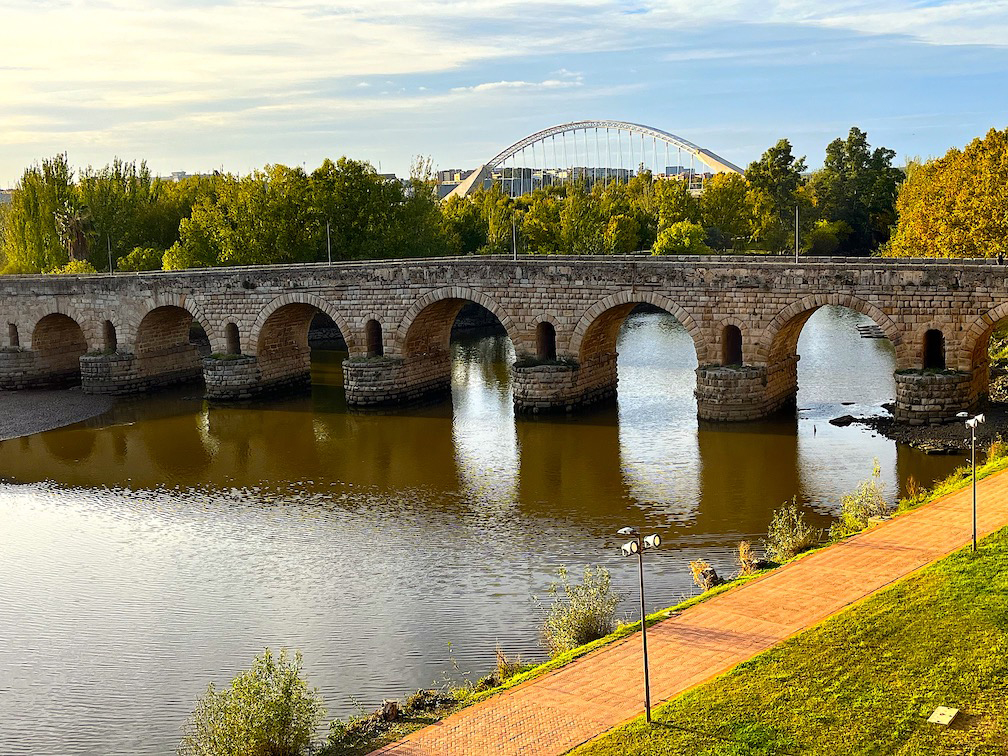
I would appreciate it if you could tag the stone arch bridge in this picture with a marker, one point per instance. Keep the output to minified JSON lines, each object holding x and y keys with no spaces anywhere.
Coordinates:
{"x":129,"y":333}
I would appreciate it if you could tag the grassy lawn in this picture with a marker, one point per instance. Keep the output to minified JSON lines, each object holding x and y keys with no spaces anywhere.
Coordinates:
{"x":864,"y":681}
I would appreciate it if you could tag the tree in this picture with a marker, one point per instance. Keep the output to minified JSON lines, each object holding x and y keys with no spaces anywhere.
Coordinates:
{"x":621,"y":234}
{"x":540,"y":224}
{"x":31,"y":241}
{"x":682,"y":238}
{"x":581,"y":224}
{"x":463,"y":217}
{"x":858,"y":185}
{"x":269,"y":710}
{"x":723,"y":208}
{"x":674,"y":203}
{"x":956,"y":206}
{"x":774,"y":180}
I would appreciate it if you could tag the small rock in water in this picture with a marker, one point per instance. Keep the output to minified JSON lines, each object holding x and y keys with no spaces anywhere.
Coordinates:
{"x":843,"y":421}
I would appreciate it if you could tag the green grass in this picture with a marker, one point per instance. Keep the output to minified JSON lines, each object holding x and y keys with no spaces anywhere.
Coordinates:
{"x":862,"y":682}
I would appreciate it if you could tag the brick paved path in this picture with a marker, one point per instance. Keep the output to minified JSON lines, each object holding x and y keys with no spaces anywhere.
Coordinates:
{"x":562,"y":709}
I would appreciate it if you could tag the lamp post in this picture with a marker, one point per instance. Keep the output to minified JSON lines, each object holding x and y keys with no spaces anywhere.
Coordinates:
{"x":637,"y":546}
{"x":972,"y":423}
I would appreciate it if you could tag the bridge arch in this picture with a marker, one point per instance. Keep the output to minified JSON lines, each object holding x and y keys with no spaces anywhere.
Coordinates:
{"x":128,"y":325}
{"x":593,"y":150}
{"x":597,"y":329}
{"x":972,"y":351}
{"x":279,"y":338}
{"x":317,"y":303}
{"x":161,"y":344}
{"x":58,"y":341}
{"x":426,"y":327}
{"x":780,"y":337}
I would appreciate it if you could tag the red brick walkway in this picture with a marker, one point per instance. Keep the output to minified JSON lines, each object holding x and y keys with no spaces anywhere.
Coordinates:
{"x":553,"y":713}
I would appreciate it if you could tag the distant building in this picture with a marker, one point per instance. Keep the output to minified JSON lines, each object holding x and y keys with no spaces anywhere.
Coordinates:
{"x":5,"y":196}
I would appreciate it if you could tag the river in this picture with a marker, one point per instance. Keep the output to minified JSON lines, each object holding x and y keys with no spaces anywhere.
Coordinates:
{"x":164,"y":544}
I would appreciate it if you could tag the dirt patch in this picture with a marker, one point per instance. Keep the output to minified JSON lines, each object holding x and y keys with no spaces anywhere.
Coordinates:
{"x":23,"y":413}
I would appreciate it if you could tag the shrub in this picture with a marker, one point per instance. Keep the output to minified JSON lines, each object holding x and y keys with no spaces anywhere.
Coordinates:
{"x":580,"y":613}
{"x":789,"y":534}
{"x":997,"y":449}
{"x":141,"y":258}
{"x":857,"y":509}
{"x":268,"y":711}
{"x":682,"y":238}
{"x":747,"y":560}
{"x":74,"y":267}
{"x":506,"y":668}
{"x":704,"y":575}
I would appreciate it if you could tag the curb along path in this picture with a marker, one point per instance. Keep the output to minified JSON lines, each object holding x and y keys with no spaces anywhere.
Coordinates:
{"x":555,"y":712}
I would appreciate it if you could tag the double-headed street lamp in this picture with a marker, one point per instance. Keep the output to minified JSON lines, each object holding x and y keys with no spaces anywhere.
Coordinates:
{"x":637,"y":546}
{"x":972,"y":423}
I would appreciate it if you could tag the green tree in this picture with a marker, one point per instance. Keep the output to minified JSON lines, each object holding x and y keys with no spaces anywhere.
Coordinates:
{"x":540,"y":224}
{"x":858,"y":186}
{"x":269,"y":710}
{"x":31,"y":241}
{"x":956,"y":206}
{"x":682,"y":238}
{"x":723,"y":209}
{"x":265,"y":217}
{"x":675,"y":203}
{"x":582,"y":226}
{"x":358,"y":204}
{"x":774,"y":180}
{"x":119,"y":201}
{"x":141,"y":258}
{"x":464,"y":218}
{"x":621,"y":234}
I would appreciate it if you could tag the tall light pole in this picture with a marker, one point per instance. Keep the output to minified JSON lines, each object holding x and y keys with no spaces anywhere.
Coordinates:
{"x":972,"y":423}
{"x":637,"y":546}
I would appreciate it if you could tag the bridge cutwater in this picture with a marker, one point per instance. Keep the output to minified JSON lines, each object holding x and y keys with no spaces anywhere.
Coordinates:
{"x":129,"y":333}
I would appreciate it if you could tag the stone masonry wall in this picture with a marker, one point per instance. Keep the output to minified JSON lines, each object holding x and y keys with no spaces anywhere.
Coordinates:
{"x":765,"y":297}
{"x":932,"y":398}
{"x":233,"y":379}
{"x":563,"y":386}
{"x":385,"y":381}
{"x":17,"y":369}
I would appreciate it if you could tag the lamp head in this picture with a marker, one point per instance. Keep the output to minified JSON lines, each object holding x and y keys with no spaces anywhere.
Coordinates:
{"x":629,"y":548}
{"x":962,"y":415}
{"x":652,"y":541}
{"x":628,"y":531}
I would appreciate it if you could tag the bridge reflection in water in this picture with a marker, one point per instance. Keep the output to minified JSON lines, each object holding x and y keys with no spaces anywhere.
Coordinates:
{"x":371,"y":540}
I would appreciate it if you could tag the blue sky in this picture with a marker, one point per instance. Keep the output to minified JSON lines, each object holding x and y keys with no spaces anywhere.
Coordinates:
{"x":193,"y":85}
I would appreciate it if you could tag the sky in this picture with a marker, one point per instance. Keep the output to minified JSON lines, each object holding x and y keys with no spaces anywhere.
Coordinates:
{"x":196,"y":85}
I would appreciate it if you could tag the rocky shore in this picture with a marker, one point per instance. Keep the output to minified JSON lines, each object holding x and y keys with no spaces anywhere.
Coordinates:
{"x":949,"y":437}
{"x":23,"y":413}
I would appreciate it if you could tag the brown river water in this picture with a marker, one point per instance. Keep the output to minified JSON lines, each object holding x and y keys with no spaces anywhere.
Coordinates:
{"x":164,"y":544}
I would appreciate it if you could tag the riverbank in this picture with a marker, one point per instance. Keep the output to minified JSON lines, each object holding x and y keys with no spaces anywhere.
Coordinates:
{"x":864,"y":681}
{"x":878,"y":556}
{"x":23,"y":413}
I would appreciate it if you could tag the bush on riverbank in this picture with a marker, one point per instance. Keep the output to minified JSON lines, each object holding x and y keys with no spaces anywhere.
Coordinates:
{"x":858,"y":509}
{"x":269,"y":710}
{"x":789,"y":534}
{"x":581,"y":613}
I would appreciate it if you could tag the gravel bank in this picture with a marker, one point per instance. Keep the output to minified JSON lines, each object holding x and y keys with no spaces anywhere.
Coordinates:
{"x":25,"y":412}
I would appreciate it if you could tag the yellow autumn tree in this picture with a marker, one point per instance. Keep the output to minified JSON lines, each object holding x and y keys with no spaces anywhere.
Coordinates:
{"x":957,"y":205}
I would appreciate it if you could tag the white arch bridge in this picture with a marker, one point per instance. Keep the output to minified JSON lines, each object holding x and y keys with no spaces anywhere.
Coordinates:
{"x":594,"y":152}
